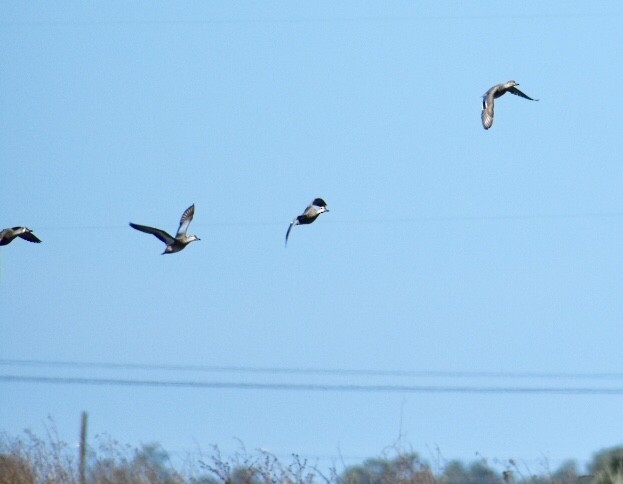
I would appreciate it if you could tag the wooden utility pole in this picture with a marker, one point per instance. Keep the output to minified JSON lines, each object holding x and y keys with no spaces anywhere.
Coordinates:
{"x":83,"y":449}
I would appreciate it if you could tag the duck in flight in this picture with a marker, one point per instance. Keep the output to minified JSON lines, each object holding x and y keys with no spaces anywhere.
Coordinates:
{"x":310,"y":214}
{"x":494,"y":93}
{"x":181,"y":240}
{"x":7,"y":235}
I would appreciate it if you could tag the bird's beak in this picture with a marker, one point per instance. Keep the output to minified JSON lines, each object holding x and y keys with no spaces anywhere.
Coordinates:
{"x":326,"y":210}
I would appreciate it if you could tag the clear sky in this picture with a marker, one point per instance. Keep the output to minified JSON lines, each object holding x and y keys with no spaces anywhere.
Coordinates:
{"x":448,"y":250}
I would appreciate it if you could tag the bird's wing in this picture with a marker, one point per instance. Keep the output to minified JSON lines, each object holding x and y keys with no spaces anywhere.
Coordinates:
{"x":292,"y":224}
{"x":487,"y":117}
{"x":187,"y":217}
{"x":487,"y":107}
{"x":517,"y":92}
{"x":160,"y":234}
{"x":30,"y":237}
{"x":487,"y":114}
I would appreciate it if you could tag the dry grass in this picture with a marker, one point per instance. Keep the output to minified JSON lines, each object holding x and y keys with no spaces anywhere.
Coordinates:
{"x":29,"y":459}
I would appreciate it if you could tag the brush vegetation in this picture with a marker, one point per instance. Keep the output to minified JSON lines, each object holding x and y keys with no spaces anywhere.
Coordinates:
{"x":29,"y":459}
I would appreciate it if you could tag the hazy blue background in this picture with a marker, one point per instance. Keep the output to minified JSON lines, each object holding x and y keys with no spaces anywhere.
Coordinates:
{"x":447,"y":249}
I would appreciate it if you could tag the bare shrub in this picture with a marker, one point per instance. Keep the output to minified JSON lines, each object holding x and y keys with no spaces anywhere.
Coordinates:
{"x":14,"y":470}
{"x":29,"y":459}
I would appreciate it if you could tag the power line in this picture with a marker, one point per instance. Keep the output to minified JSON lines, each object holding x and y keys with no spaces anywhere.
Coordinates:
{"x":427,"y":373}
{"x":310,"y":387}
{"x":309,"y":20}
{"x":396,"y":220}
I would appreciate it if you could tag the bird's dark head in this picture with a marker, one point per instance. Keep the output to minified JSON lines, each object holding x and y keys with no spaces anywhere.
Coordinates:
{"x":320,"y":205}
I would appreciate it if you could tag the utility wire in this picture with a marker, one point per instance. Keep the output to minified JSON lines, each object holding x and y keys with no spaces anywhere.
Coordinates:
{"x":311,"y":371}
{"x":397,"y":220}
{"x":310,"y":387}
{"x":311,"y":20}
{"x":428,"y":373}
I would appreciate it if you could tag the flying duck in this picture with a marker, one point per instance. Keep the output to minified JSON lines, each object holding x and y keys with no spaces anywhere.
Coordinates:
{"x":494,"y":93}
{"x":181,"y":240}
{"x":310,"y":214}
{"x":7,"y":235}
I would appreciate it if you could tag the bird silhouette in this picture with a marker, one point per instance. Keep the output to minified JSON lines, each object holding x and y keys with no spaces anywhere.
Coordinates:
{"x":181,"y":240}
{"x":315,"y":208}
{"x":7,"y":235}
{"x":494,"y":93}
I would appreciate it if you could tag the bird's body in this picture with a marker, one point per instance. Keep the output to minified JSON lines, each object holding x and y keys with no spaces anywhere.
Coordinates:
{"x":494,"y":93}
{"x":311,"y":213}
{"x":7,"y":235}
{"x":181,"y":240}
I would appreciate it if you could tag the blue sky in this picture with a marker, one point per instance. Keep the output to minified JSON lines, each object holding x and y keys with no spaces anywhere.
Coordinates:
{"x":448,"y":248}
